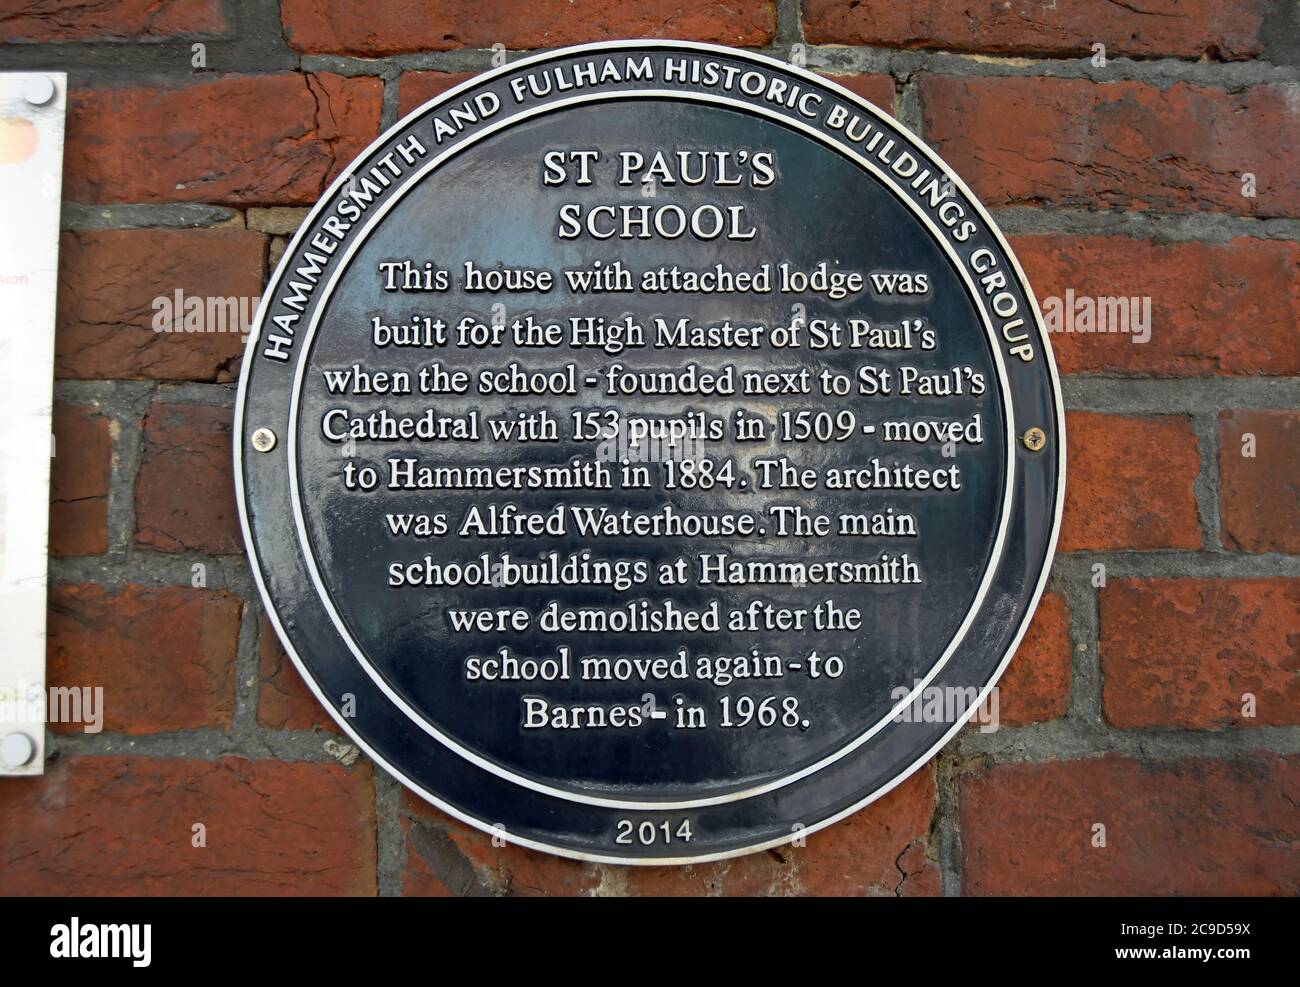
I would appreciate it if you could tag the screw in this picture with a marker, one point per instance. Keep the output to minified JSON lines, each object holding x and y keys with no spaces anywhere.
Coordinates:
{"x":1034,"y":439}
{"x":264,"y":440}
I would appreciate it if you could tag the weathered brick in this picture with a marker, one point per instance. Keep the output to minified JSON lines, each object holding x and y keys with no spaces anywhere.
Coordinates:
{"x":431,"y":870}
{"x":356,"y":27}
{"x":185,"y":490}
{"x":1126,"y":145}
{"x":880,"y":850}
{"x":125,"y":826}
{"x":284,"y":702}
{"x":877,"y":89}
{"x":83,"y":454}
{"x":417,"y":88}
{"x":1215,"y":308}
{"x":84,"y":20}
{"x":1228,"y":29}
{"x":118,"y":312}
{"x":1186,"y":652}
{"x":1259,"y":495}
{"x":239,"y":140}
{"x":1130,"y":483}
{"x":754,"y":875}
{"x":447,"y":857}
{"x":1193,"y":827}
{"x":1036,"y":685}
{"x":164,"y":656}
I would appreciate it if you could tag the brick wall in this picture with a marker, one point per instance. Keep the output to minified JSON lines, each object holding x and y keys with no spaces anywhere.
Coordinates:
{"x":1176,"y":595}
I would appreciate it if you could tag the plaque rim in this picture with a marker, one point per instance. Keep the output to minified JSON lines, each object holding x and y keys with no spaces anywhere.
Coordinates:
{"x":1057,"y":408}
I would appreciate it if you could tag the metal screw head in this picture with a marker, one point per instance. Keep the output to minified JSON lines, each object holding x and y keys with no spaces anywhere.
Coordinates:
{"x":16,"y":749}
{"x":1034,"y":439}
{"x":263,"y":440}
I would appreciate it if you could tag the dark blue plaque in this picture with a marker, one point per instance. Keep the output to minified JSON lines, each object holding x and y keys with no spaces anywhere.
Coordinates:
{"x":649,"y":452}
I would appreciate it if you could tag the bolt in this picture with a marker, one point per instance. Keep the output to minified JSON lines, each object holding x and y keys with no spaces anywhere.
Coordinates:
{"x":1034,"y":439}
{"x":263,"y":440}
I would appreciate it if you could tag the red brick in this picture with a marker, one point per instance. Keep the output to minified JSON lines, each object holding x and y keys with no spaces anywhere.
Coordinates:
{"x":124,"y":826}
{"x":417,"y":88}
{"x":1228,"y":29}
{"x":1183,"y":652}
{"x":759,"y":874}
{"x":1129,"y":483}
{"x":185,"y":490}
{"x":118,"y":316}
{"x":1242,"y":325}
{"x":882,"y":850}
{"x":83,"y":453}
{"x":241,"y":140}
{"x":357,"y":27}
{"x":1036,"y":685}
{"x":284,"y":702}
{"x":1126,"y":145}
{"x":1194,"y":827}
{"x":447,"y":857}
{"x":875,"y":89}
{"x":165,"y":657}
{"x":48,"y":20}
{"x":1259,"y":497}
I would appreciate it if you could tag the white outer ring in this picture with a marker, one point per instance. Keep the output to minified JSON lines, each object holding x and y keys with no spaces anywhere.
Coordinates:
{"x":917,"y":145}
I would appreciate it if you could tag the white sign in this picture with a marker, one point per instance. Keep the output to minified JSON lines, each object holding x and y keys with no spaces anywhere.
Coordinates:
{"x":32,"y":107}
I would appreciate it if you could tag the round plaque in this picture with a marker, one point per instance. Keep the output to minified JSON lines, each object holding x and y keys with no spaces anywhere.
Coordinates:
{"x":650,"y":452}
